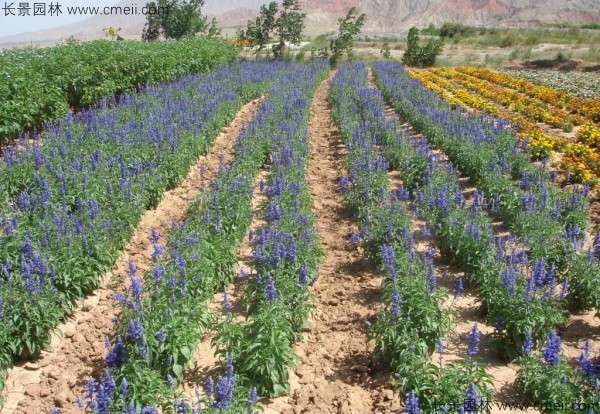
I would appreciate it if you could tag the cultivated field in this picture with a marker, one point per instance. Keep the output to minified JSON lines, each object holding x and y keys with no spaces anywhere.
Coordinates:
{"x":290,"y":238}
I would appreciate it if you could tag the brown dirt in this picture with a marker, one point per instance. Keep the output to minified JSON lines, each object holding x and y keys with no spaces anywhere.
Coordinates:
{"x":335,"y":374}
{"x":77,"y":348}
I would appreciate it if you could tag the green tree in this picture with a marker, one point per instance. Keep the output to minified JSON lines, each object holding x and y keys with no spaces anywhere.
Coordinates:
{"x":286,"y":24}
{"x":348,"y":27}
{"x":385,"y":50}
{"x":289,"y":26}
{"x":421,"y":55}
{"x":174,"y":19}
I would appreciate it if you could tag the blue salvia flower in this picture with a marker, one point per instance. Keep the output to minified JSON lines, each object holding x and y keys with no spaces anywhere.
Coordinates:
{"x":143,"y":347}
{"x":158,"y":272}
{"x":124,"y":389}
{"x":431,"y":278}
{"x":474,"y":338}
{"x":528,"y":344}
{"x":226,"y":302}
{"x":344,"y":183}
{"x":552,"y":349}
{"x":116,"y":355}
{"x":458,"y":288}
{"x":171,"y":382}
{"x":411,"y":404}
{"x":209,"y":388}
{"x":389,"y":260}
{"x":225,"y":389}
{"x":584,"y":363}
{"x":597,"y":245}
{"x":564,"y":289}
{"x":252,"y":399}
{"x":472,"y":400}
{"x":440,"y":349}
{"x":355,"y":238}
{"x":55,"y":410}
{"x":1,"y":308}
{"x":303,"y":275}
{"x":135,"y":330}
{"x":161,"y":336}
{"x":137,"y":288}
{"x":270,"y":290}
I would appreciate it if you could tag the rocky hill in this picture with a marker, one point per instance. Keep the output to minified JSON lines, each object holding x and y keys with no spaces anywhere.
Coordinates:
{"x":384,"y":16}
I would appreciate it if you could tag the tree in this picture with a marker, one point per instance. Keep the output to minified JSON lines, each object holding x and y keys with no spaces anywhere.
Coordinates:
{"x":348,"y":27}
{"x":385,"y":50}
{"x":289,"y":26}
{"x":421,"y":55}
{"x":175,"y":19}
{"x":286,"y":24}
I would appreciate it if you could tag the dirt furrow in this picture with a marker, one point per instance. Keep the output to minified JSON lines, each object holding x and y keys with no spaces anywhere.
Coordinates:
{"x":78,"y":347}
{"x":335,"y":374}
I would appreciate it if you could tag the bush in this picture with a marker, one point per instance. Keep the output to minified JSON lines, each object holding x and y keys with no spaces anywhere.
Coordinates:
{"x":421,"y":55}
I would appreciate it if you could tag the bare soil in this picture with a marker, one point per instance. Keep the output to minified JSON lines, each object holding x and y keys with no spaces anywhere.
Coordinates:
{"x":335,"y":374}
{"x":78,"y":346}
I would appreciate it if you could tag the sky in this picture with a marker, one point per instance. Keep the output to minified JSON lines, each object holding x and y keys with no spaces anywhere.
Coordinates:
{"x":12,"y":25}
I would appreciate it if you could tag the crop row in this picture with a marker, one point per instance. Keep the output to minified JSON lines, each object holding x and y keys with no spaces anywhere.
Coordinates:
{"x":581,"y":84}
{"x":42,"y":84}
{"x":552,"y":220}
{"x":165,"y":312}
{"x":581,"y":159}
{"x":413,"y":322}
{"x":523,"y":306}
{"x":589,"y":108}
{"x":286,"y":255}
{"x":71,"y":202}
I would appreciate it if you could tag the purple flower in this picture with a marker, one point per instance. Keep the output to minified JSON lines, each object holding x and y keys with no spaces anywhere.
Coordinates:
{"x":303,"y":275}
{"x":440,"y":349}
{"x":226,"y":301}
{"x":528,"y":344}
{"x":116,"y":355}
{"x":252,"y":399}
{"x":225,"y":389}
{"x":270,"y":290}
{"x":161,"y":336}
{"x":458,"y":288}
{"x":135,"y":330}
{"x":411,"y":404}
{"x":355,"y":238}
{"x":474,"y":338}
{"x":472,"y":400}
{"x":431,"y":278}
{"x":552,"y":349}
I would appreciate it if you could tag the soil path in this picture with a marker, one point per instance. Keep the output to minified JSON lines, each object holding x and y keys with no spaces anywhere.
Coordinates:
{"x":58,"y":377}
{"x":335,"y":375}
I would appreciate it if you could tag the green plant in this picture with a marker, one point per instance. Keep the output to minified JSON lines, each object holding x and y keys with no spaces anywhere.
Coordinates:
{"x":175,"y":19}
{"x":421,"y":55}
{"x":286,"y":24}
{"x":385,"y":50}
{"x":348,"y":27}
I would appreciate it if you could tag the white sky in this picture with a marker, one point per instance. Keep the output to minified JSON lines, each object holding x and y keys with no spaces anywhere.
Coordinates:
{"x":12,"y":25}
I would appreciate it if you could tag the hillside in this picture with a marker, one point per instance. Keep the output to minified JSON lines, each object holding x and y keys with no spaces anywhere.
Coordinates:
{"x":384,"y":16}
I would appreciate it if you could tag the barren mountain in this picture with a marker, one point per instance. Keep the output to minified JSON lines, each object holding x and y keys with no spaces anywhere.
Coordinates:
{"x":383,"y":16}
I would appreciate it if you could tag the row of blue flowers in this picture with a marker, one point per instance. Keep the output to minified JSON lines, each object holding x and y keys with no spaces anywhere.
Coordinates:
{"x":550,"y":220}
{"x":71,"y":199}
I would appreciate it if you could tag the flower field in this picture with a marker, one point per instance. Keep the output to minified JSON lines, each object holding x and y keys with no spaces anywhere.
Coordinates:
{"x":283,"y":237}
{"x":555,"y":124}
